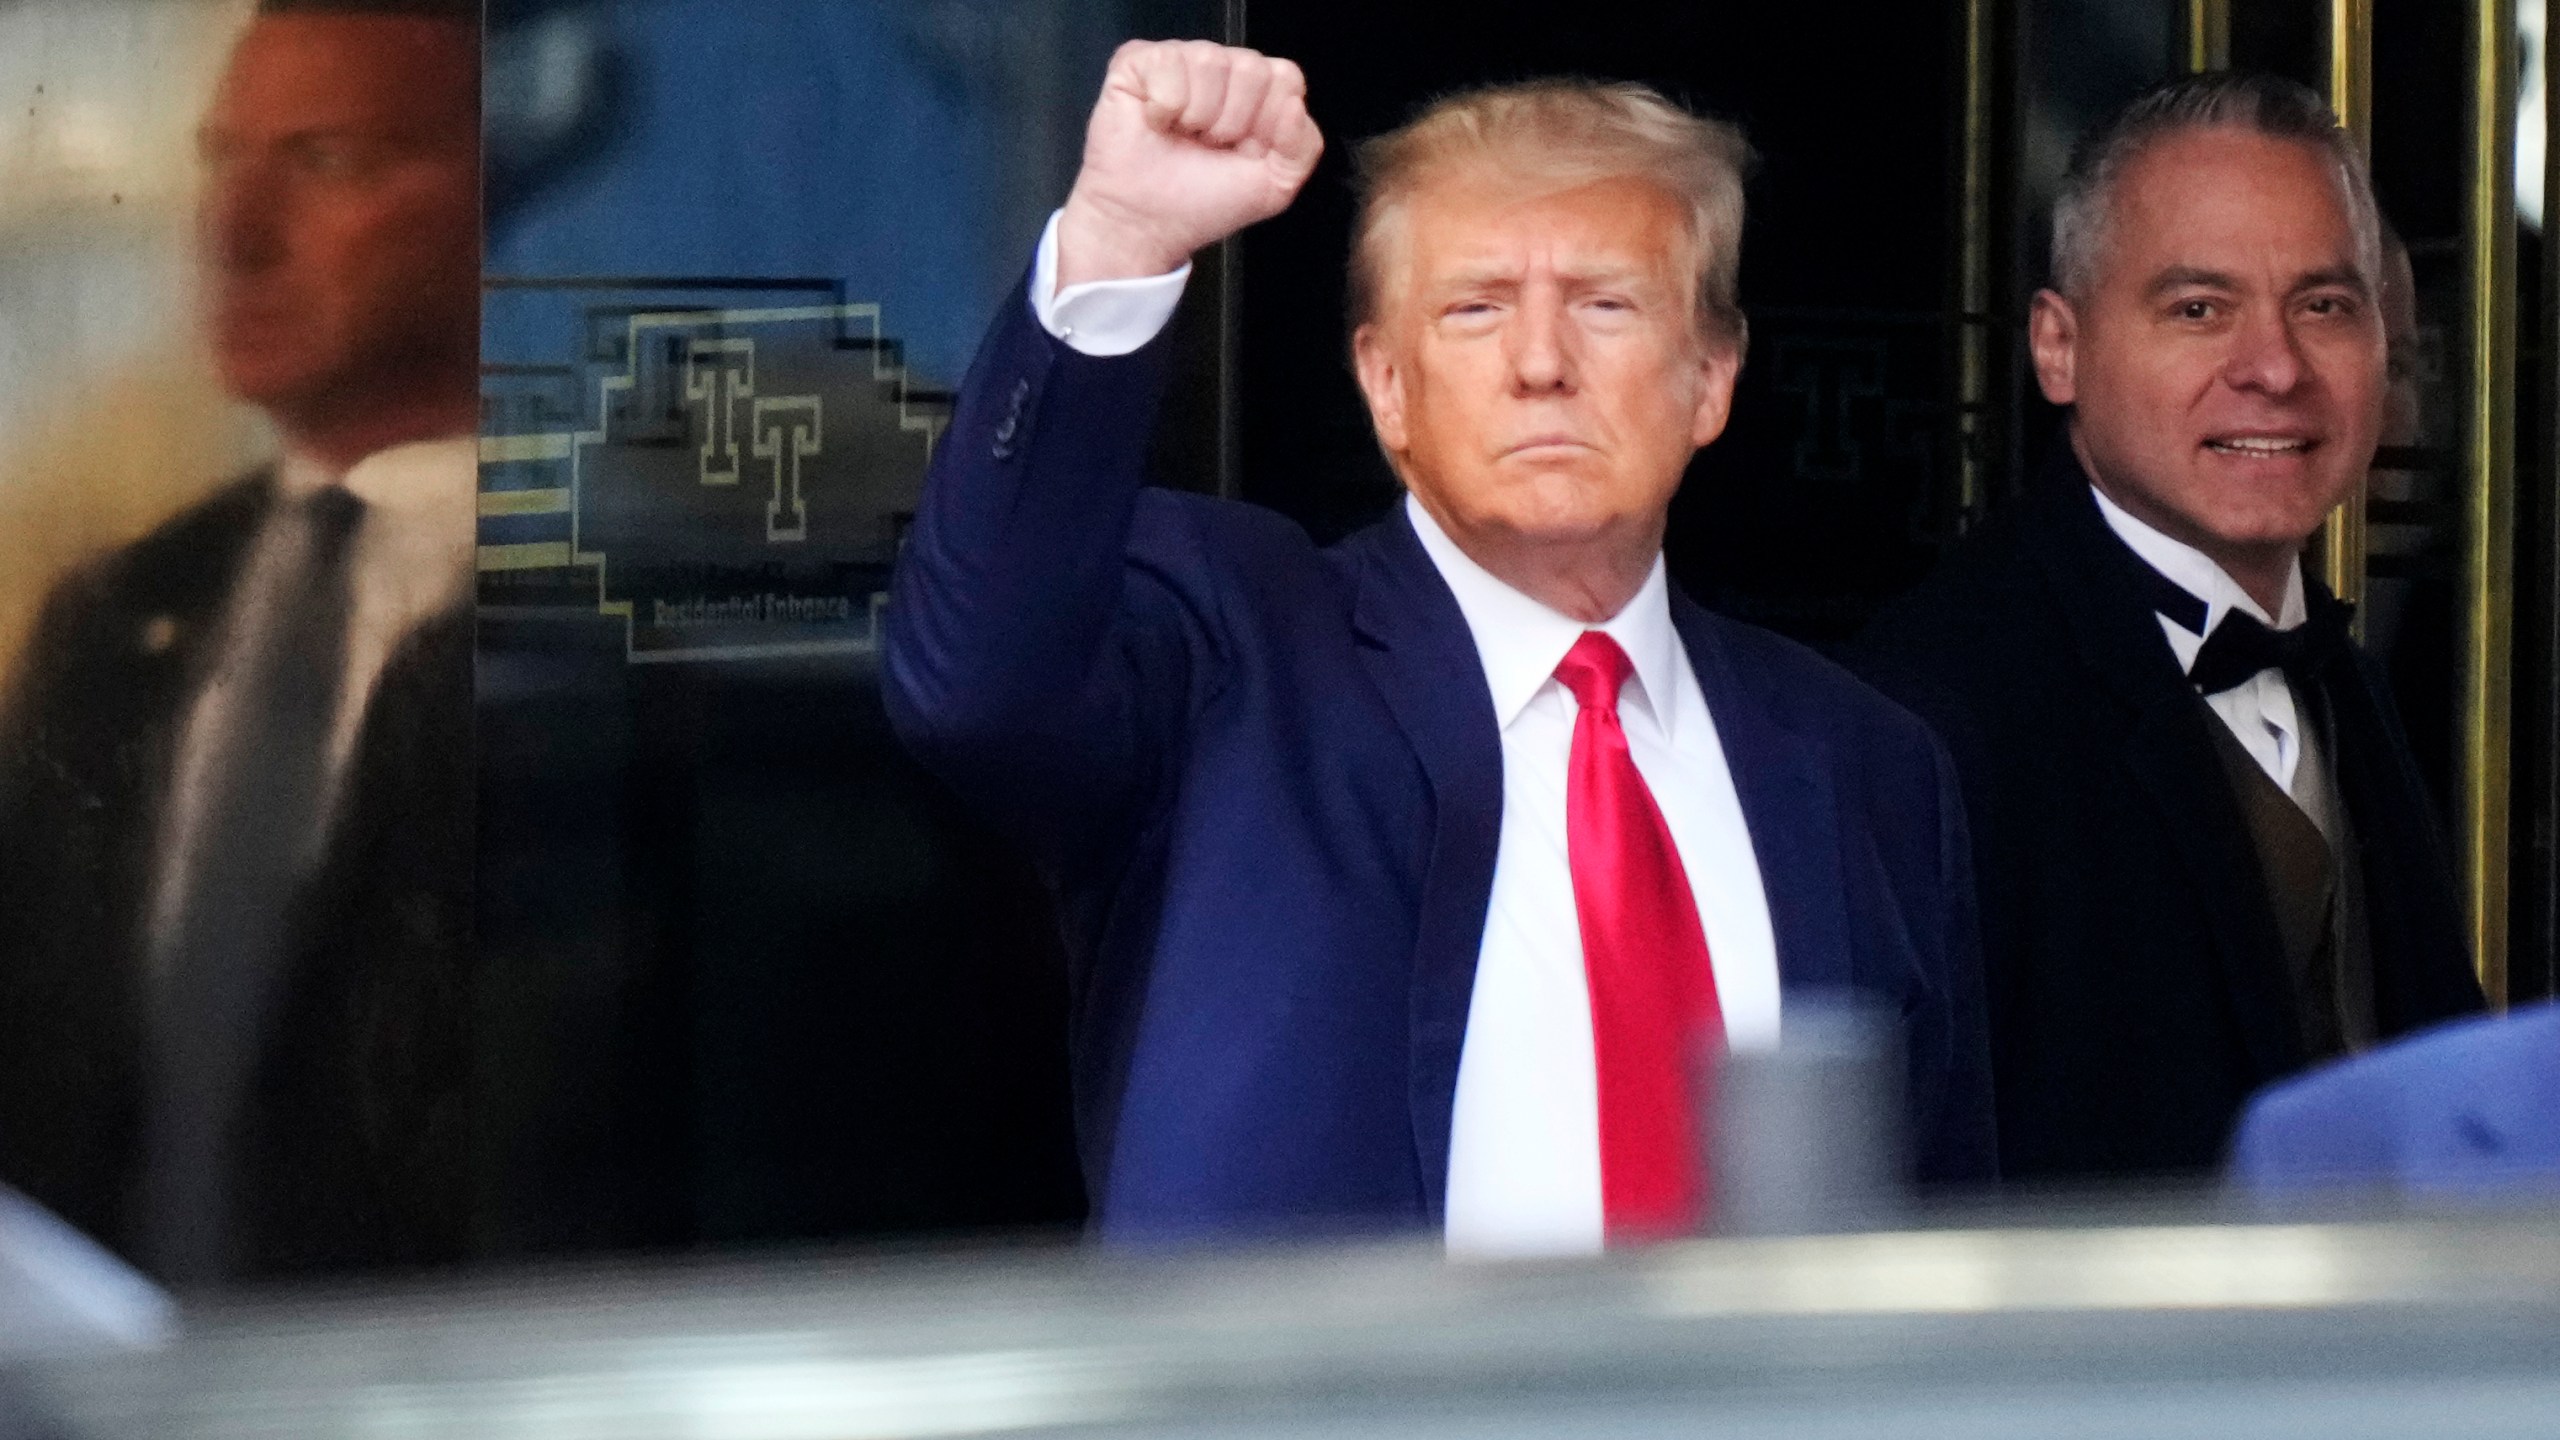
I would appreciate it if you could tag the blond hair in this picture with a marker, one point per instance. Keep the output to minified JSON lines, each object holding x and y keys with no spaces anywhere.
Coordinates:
{"x":1562,"y":132}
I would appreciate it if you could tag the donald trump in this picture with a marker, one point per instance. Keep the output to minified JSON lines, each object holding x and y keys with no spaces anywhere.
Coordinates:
{"x":1403,"y":879}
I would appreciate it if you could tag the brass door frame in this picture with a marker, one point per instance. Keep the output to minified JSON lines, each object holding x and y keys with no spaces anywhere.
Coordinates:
{"x":2485,"y":657}
{"x":2348,"y":79}
{"x":2544,"y":732}
{"x":2204,"y":35}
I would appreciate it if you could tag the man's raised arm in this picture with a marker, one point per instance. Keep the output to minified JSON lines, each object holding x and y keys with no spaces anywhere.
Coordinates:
{"x":1023,"y":661}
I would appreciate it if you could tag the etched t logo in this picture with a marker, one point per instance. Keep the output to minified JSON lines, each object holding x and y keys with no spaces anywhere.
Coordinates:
{"x":801,"y":419}
{"x":717,"y":387}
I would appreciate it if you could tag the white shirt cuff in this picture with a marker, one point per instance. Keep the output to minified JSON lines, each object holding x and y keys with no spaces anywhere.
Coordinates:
{"x":1101,"y":317}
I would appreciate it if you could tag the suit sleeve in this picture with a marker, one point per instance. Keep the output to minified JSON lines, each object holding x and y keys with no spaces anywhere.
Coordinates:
{"x":2313,"y":1133}
{"x":59,"y":836}
{"x":1034,"y":660}
{"x":43,"y":794}
{"x":1955,"y":1128}
{"x":1957,"y":1139}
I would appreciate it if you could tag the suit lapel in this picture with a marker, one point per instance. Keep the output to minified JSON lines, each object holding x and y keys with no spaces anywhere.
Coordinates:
{"x":1415,"y":645}
{"x":2170,"y":752}
{"x":134,"y":650}
{"x":1785,"y":780}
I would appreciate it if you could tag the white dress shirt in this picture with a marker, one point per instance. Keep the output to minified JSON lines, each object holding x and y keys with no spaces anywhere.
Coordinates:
{"x":412,"y":560}
{"x":1101,"y":317}
{"x":1524,"y":1143}
{"x":2262,"y":711}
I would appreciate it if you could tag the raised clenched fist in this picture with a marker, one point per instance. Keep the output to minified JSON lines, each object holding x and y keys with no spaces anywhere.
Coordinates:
{"x":1190,"y":143}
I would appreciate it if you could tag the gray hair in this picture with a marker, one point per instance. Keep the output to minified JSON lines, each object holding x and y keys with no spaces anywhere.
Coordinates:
{"x":1565,"y":130}
{"x":2267,"y":105}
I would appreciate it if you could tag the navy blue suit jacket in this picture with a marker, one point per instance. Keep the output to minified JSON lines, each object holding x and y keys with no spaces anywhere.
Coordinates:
{"x":2469,"y":1109}
{"x":1266,"y":781}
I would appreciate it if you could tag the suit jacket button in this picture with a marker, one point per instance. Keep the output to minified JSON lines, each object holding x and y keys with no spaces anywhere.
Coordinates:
{"x":1011,"y":425}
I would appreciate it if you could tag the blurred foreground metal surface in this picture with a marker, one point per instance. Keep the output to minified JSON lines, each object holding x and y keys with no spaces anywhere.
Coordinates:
{"x":61,"y":1294}
{"x":2444,"y":1328}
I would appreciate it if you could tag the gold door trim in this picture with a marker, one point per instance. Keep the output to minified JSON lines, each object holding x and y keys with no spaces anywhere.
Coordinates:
{"x":2340,"y":547}
{"x":2204,"y":35}
{"x":2484,"y":663}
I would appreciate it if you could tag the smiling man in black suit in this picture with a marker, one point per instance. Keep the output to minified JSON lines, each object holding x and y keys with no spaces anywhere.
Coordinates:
{"x":2204,"y":857}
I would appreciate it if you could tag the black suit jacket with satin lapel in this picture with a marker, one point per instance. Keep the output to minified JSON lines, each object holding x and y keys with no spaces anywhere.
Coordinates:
{"x":354,"y":1154}
{"x":2137,"y":986}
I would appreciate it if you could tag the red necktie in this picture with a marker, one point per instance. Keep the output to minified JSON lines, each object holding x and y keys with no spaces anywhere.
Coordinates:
{"x":1644,"y":955}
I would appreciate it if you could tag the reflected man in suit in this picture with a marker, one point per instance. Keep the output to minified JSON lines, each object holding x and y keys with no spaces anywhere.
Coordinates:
{"x":1403,"y":880}
{"x":2204,"y":855}
{"x":235,"y":763}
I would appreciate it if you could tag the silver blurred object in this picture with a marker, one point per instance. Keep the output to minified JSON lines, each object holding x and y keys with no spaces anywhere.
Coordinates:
{"x":61,"y":1294}
{"x":63,"y":1297}
{"x":2113,"y":1326}
{"x":1808,"y":1137}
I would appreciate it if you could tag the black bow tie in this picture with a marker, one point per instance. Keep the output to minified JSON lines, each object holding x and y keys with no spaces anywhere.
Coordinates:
{"x":2243,"y":645}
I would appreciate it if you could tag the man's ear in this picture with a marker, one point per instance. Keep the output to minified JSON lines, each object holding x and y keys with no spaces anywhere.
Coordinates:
{"x":1718,"y":368}
{"x":1374,"y":362}
{"x":2053,"y":338}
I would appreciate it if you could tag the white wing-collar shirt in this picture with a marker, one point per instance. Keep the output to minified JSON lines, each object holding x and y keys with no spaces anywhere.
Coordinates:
{"x":1524,"y":1143}
{"x":2260,"y":712}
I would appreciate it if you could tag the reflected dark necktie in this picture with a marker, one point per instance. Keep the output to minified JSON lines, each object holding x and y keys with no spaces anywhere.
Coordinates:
{"x":250,"y":833}
{"x":1654,"y":1014}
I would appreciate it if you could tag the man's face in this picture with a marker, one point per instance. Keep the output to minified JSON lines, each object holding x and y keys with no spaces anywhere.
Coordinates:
{"x":340,"y":220}
{"x":2226,"y":368}
{"x":1535,"y":370}
{"x":2404,"y":394}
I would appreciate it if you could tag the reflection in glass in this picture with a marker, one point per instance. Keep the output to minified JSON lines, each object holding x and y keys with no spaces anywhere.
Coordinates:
{"x":234,"y":922}
{"x":751,"y":975}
